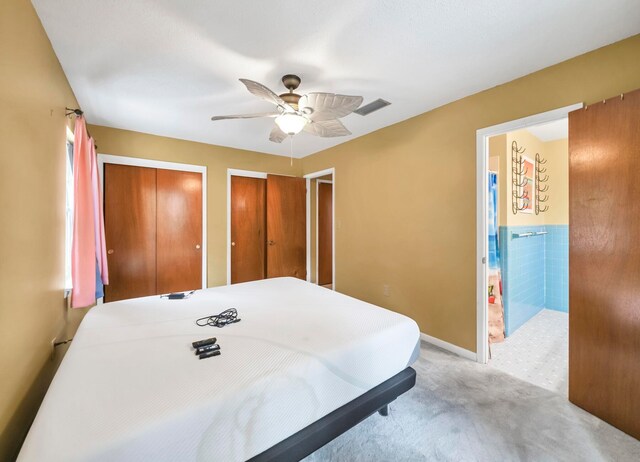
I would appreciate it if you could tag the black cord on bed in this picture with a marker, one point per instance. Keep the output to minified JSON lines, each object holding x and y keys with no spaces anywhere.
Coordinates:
{"x":219,"y":320}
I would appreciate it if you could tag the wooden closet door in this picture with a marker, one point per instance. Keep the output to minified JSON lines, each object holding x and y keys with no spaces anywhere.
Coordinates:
{"x":248,"y":228}
{"x":179,"y":229}
{"x":325,"y":233}
{"x":286,"y":227}
{"x":604,"y":256}
{"x":130,"y":231}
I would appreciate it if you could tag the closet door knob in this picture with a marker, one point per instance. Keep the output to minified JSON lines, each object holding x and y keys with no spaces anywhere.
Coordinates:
{"x":198,"y":246}
{"x":271,"y":242}
{"x":233,"y":244}
{"x":110,"y":251}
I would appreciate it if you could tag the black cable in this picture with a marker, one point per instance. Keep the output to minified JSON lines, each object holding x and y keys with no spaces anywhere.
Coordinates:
{"x":219,"y":320}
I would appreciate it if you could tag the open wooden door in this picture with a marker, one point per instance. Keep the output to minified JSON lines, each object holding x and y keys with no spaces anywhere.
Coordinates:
{"x":130,"y":231}
{"x":248,"y":228}
{"x":604,"y":255}
{"x":325,"y":233}
{"x":179,"y":231}
{"x":286,"y":227}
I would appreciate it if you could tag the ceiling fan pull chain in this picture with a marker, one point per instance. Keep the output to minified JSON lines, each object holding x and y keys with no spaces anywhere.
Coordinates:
{"x":291,"y":149}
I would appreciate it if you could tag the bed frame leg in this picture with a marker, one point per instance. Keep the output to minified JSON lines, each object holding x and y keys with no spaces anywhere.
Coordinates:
{"x":384,"y":410}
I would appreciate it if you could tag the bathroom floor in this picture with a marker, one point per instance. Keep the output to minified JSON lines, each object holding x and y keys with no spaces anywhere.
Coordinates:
{"x":537,"y":352}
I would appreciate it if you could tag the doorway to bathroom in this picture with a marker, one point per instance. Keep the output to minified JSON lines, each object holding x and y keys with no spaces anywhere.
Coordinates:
{"x":523,"y":310}
{"x":321,"y":228}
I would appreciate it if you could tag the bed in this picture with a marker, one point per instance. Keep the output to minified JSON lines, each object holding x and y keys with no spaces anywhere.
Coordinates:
{"x":303,"y":365}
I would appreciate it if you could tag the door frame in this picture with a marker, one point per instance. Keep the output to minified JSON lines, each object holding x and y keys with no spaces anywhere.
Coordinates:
{"x":317,"y":227}
{"x":235,"y":172}
{"x":310,"y":176}
{"x":161,"y":164}
{"x":482,"y":205}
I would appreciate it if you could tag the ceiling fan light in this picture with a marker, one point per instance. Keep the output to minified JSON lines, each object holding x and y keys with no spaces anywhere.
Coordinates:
{"x":291,"y":123}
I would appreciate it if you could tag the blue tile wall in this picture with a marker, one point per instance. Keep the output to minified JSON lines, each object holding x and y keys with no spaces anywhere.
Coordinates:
{"x":535,"y":272}
{"x":557,"y":268}
{"x":523,"y":275}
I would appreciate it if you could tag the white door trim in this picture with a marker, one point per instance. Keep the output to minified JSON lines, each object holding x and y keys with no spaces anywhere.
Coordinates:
{"x":150,"y":163}
{"x":235,"y":172}
{"x":482,"y":231}
{"x":309,"y":176}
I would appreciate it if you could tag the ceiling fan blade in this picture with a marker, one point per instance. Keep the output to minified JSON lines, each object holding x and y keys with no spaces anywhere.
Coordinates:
{"x":246,"y":116}
{"x":327,"y":128}
{"x":327,"y":106}
{"x":264,"y":93}
{"x":277,"y":135}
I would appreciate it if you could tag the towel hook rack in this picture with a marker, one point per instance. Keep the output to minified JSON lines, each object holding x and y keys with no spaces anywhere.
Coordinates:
{"x":519,"y":196}
{"x":539,"y":186}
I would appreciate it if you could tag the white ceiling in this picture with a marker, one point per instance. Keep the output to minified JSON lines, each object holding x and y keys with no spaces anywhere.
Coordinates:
{"x":552,"y":131}
{"x":166,"y":66}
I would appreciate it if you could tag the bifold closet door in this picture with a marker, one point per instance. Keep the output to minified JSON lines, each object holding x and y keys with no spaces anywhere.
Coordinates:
{"x":325,"y":233}
{"x":179,"y":231}
{"x":604,"y":256}
{"x":248,"y":229}
{"x":130,"y":231}
{"x":286,"y":227}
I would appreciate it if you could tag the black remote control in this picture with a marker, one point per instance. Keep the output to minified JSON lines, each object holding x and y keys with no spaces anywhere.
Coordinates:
{"x":176,"y":296}
{"x":206,"y":348}
{"x":205,"y":342}
{"x":209,"y":354}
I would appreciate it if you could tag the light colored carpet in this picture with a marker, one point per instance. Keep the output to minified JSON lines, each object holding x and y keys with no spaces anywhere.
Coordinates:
{"x":460,"y":410}
{"x":537,"y":352}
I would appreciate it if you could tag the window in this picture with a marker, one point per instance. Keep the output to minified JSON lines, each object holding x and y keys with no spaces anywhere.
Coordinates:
{"x":68,"y":238}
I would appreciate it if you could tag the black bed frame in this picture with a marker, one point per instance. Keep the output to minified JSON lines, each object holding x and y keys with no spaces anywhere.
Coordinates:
{"x":319,"y":433}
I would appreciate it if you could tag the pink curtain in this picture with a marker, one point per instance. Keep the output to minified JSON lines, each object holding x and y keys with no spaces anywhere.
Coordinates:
{"x":98,"y":218}
{"x":88,"y":247}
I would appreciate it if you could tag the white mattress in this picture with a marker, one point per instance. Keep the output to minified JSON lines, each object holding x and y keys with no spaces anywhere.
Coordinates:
{"x":130,"y":387}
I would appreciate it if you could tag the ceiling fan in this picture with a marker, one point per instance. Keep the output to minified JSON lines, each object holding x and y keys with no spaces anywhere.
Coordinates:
{"x":315,"y":113}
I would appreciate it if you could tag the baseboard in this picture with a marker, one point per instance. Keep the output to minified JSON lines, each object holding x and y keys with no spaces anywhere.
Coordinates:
{"x":449,"y":347}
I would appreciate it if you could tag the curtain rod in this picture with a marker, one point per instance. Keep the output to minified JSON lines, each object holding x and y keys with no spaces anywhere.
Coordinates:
{"x":76,"y":111}
{"x":79,"y":112}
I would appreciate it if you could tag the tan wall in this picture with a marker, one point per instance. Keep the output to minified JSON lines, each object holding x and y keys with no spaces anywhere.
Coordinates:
{"x":494,"y":164}
{"x":216,"y":158}
{"x":405,"y":195}
{"x":33,"y":94}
